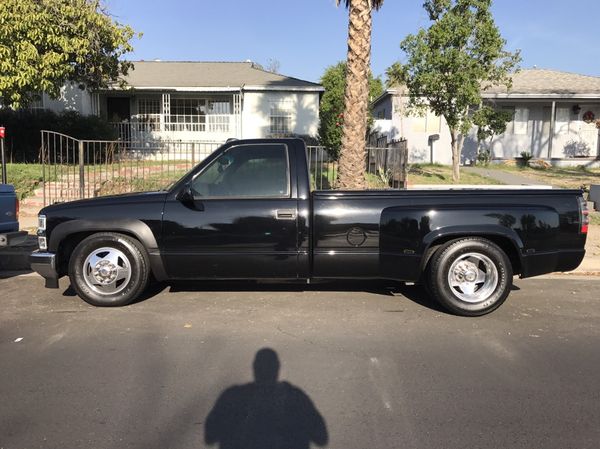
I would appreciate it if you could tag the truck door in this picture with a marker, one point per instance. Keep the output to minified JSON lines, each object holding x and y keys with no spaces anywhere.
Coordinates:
{"x":239,"y":218}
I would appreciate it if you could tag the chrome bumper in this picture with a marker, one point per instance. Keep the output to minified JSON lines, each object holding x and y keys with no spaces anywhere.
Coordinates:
{"x":45,"y":265}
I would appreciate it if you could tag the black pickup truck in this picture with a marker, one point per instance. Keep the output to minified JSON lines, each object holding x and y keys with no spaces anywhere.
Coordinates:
{"x":248,"y":212}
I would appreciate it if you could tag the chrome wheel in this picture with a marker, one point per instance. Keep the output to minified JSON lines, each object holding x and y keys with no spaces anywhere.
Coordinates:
{"x":473,"y":277}
{"x":107,"y":271}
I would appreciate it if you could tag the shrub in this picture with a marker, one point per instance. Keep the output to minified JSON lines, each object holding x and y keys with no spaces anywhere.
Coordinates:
{"x":525,"y":158}
{"x":23,"y":130}
{"x":484,"y":157}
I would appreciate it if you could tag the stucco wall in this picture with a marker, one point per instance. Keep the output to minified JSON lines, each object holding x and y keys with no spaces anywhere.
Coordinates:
{"x":416,"y":129}
{"x":572,"y":136}
{"x":256,"y":110}
{"x":71,"y":99}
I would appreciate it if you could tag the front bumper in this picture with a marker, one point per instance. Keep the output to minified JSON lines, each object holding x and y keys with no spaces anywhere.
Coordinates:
{"x":12,"y":238}
{"x":44,"y":264}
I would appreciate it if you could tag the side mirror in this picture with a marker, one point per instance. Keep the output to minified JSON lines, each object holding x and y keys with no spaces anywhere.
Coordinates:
{"x":186,"y":197}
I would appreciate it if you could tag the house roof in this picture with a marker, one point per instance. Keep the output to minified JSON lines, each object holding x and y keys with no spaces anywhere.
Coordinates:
{"x":188,"y":75}
{"x":548,"y":83}
{"x":535,"y":83}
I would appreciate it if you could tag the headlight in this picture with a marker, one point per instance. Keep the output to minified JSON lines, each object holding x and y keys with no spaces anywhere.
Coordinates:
{"x":41,"y":232}
{"x":41,"y":223}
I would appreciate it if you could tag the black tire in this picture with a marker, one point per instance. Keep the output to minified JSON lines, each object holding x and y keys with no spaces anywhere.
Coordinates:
{"x":458,"y":261}
{"x":130,"y":262}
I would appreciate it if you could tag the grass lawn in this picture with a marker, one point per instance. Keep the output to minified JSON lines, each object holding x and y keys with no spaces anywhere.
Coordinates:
{"x":25,"y":178}
{"x":442,"y":174}
{"x":564,"y":177}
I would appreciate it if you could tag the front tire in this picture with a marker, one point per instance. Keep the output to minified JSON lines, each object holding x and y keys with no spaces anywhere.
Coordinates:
{"x":470,"y":277}
{"x":109,"y":269}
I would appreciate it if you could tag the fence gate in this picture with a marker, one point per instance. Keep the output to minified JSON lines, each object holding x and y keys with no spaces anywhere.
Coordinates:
{"x":75,"y":169}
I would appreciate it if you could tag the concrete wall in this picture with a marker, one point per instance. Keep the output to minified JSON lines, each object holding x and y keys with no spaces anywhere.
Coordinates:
{"x":256,"y":110}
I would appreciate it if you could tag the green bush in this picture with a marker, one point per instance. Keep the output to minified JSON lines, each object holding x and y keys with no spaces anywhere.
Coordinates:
{"x":23,"y":130}
{"x":484,"y":157}
{"x":525,"y":158}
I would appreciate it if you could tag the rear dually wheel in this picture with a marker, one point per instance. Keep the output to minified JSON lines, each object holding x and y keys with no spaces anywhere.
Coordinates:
{"x":470,"y":277}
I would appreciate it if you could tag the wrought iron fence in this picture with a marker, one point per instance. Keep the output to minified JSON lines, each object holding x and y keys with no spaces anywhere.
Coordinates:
{"x":385,"y":166}
{"x":76,"y":169}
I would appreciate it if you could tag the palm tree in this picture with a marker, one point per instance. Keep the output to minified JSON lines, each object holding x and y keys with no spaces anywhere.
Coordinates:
{"x":356,"y":97}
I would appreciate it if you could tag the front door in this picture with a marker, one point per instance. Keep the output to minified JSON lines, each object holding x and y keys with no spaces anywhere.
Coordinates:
{"x":240,"y":220}
{"x":118,"y":109}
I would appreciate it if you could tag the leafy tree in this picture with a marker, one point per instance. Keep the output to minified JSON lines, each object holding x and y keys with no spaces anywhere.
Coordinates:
{"x":331,"y":111}
{"x":490,"y":122}
{"x":451,"y":62}
{"x":356,"y":97}
{"x":44,"y":43}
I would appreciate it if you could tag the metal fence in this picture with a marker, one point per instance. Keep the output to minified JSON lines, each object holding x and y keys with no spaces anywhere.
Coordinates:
{"x":385,"y":166}
{"x":76,"y":169}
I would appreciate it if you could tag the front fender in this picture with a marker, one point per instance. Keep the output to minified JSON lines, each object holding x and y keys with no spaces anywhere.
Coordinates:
{"x":131,"y":226}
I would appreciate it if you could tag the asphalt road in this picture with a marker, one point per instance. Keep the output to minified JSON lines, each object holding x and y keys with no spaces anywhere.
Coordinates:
{"x":365,"y":367}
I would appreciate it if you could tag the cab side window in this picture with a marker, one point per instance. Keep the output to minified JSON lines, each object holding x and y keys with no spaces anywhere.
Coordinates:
{"x":246,"y":171}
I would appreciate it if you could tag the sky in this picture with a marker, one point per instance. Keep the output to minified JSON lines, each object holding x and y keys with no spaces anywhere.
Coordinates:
{"x":307,"y":36}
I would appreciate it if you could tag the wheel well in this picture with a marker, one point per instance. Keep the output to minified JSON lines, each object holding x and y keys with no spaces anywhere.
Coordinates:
{"x":504,"y":243}
{"x":70,"y":242}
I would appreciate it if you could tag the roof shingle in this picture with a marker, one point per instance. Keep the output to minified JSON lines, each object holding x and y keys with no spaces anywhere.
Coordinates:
{"x":183,"y":74}
{"x":548,"y":82}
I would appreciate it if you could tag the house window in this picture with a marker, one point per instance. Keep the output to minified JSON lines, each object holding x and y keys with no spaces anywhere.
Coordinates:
{"x":187,"y":114}
{"x":519,"y":125}
{"x":200,"y":114}
{"x":561,"y":125}
{"x":149,"y":112}
{"x":37,"y":102}
{"x":521,"y":121}
{"x":148,"y":106}
{"x":281,"y":117}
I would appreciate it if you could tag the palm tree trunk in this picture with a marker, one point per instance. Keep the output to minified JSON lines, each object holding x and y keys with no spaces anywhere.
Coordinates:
{"x":356,"y":97}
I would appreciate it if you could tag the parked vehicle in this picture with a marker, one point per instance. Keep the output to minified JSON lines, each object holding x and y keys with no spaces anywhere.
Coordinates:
{"x":9,"y":217}
{"x":247,"y":212}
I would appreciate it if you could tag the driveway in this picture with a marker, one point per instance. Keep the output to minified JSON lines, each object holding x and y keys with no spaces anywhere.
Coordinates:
{"x":366,"y":365}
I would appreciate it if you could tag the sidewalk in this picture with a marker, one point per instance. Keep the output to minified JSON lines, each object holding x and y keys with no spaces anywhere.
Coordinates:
{"x":503,"y":176}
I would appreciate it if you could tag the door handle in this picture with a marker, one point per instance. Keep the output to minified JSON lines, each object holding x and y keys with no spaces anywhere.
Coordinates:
{"x":286,"y":214}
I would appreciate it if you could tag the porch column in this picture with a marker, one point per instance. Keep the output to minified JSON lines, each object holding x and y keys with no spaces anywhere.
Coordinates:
{"x":237,"y":113}
{"x":552,"y":127}
{"x":165,"y":111}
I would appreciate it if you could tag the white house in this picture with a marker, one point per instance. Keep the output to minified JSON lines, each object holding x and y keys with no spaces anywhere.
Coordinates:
{"x":555,"y":115}
{"x":200,"y":101}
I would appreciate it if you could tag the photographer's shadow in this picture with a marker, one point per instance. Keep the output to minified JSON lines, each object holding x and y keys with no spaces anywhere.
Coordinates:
{"x":265,"y":414}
